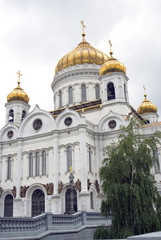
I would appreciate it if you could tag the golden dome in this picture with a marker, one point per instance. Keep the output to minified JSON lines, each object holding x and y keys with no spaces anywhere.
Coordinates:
{"x":83,"y":53}
{"x":147,"y":106}
{"x":112,"y":65}
{"x":18,"y":94}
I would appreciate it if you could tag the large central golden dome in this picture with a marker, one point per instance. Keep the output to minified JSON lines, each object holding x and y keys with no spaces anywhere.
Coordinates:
{"x":83,"y":53}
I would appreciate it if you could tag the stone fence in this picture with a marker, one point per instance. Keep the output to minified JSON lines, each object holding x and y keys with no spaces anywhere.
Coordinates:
{"x":11,"y":227}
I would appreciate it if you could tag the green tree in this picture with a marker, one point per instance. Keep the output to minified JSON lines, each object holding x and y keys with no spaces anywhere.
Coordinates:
{"x":127,"y":182}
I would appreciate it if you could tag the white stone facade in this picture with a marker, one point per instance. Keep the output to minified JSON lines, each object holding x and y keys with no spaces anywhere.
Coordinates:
{"x":37,"y":159}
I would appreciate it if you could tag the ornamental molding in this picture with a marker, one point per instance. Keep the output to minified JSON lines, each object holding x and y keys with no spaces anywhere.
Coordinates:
{"x":77,"y":70}
{"x":12,"y":155}
{"x":78,"y":66}
{"x":68,"y":144}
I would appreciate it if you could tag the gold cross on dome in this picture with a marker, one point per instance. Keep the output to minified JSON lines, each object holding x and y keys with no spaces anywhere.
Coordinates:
{"x":70,"y":169}
{"x":144,"y":91}
{"x":110,"y":47}
{"x":19,"y":74}
{"x":83,"y":27}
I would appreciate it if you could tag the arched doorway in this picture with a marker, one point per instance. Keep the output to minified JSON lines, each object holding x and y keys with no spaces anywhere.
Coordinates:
{"x":68,"y":201}
{"x":8,"y":206}
{"x":38,"y":202}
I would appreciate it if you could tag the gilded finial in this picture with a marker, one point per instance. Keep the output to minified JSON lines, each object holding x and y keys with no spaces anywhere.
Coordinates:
{"x":70,"y":169}
{"x":145,"y":95}
{"x":111,"y":52}
{"x":83,"y":27}
{"x":19,"y":74}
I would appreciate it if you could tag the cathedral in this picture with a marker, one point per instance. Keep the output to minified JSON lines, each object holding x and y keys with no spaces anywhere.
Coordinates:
{"x":40,"y":149}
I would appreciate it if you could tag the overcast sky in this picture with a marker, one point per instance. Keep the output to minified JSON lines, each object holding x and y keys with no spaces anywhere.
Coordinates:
{"x":35,"y":34}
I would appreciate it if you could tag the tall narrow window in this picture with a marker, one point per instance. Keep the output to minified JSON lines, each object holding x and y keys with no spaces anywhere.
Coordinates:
{"x":43,"y":162}
{"x":156,"y":164}
{"x":30,"y":164}
{"x":83,"y":89}
{"x":11,"y":115}
{"x":37,"y":164}
{"x":110,"y":91}
{"x":90,"y":163}
{"x":60,"y":99}
{"x":91,"y":200}
{"x":70,"y":95}
{"x":97,"y":90}
{"x":9,"y":168}
{"x":23,"y":115}
{"x":69,"y":158}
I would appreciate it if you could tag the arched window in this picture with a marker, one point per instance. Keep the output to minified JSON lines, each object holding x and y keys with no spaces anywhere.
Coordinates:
{"x":70,"y":95}
{"x":69,"y":158}
{"x":90,"y":160}
{"x":97,"y":91}
{"x":9,"y":168}
{"x":110,"y":91}
{"x":37,"y":164}
{"x":91,"y":200}
{"x":60,"y":99}
{"x":38,"y":202}
{"x":8,"y":206}
{"x":125,"y":92}
{"x":30,"y":164}
{"x":83,"y":89}
{"x":43,"y":162}
{"x":23,"y":115}
{"x":11,"y":115}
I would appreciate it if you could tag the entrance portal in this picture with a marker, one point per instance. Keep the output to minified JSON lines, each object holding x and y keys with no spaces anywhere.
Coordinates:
{"x":38,"y":202}
{"x":8,"y":206}
{"x":68,"y":200}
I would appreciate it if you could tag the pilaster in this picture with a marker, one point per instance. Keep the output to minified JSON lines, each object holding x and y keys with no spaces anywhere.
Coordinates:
{"x":55,"y":162}
{"x":83,"y":159}
{"x":19,"y":168}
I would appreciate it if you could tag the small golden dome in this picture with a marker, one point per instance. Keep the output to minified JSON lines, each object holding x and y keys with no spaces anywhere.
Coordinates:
{"x":18,"y":94}
{"x":112,"y":65}
{"x":83,"y":53}
{"x":147,"y":106}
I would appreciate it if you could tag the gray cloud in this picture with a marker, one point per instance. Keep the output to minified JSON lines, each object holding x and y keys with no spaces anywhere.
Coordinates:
{"x":36,"y":34}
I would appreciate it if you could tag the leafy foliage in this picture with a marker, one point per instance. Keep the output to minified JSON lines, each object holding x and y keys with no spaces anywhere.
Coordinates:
{"x":128,"y":184}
